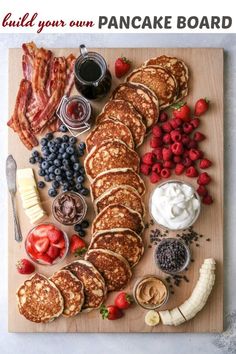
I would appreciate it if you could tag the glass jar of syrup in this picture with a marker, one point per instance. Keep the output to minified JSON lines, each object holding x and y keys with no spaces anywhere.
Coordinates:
{"x":92,"y":77}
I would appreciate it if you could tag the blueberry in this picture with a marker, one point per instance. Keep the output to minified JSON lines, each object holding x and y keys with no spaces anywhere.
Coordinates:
{"x":65,"y":185}
{"x":84,"y":191}
{"x":52,"y":157}
{"x":84,"y":224}
{"x":58,"y":177}
{"x":78,"y":228}
{"x":53,"y":149}
{"x":51,"y":143}
{"x":39,"y":159}
{"x":65,"y":138}
{"x":79,"y":186}
{"x":55,"y":184}
{"x":61,"y":150}
{"x":82,"y":145}
{"x":41,"y":172}
{"x":57,"y":162}
{"x":80,"y":179}
{"x":51,"y":169}
{"x":82,"y":233}
{"x":43,"y":142}
{"x":46,"y":178}
{"x":58,"y":140}
{"x":64,"y":146}
{"x":64,"y":189}
{"x":63,"y":128}
{"x":82,"y":170}
{"x":45,"y":152}
{"x":52,"y":192}
{"x":65,"y":155}
{"x":49,"y":136}
{"x":41,"y":184}
{"x":59,"y":156}
{"x":69,"y":173}
{"x":32,"y":160}
{"x":35,"y":153}
{"x":52,"y":176}
{"x":74,"y":158}
{"x":70,"y":150}
{"x":57,"y":171}
{"x":45,"y":165}
{"x":76,"y":166}
{"x":80,"y":153}
{"x":72,"y":140}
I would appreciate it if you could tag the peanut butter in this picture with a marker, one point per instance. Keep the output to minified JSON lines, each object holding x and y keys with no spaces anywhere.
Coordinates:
{"x":151,"y":291}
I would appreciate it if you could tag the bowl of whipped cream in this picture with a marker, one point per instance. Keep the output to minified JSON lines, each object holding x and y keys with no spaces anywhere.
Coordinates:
{"x":175,"y":205}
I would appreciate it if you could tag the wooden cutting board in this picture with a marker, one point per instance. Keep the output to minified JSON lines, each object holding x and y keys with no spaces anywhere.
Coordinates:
{"x":206,"y":68}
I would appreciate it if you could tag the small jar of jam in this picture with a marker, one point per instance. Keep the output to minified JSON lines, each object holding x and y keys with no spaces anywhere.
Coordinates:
{"x":75,"y":112}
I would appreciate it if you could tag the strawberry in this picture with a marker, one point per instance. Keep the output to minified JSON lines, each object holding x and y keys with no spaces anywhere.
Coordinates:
{"x":148,"y":158}
{"x":123,"y":300}
{"x":77,"y":246}
{"x":194,"y":154}
{"x":154,"y":177}
{"x":42,"y":230}
{"x":24,"y":266}
{"x":177,"y":148}
{"x":166,"y":139}
{"x":198,"y":136}
{"x":165,"y":173}
{"x":55,"y":235}
{"x":158,"y":153}
{"x":60,"y":244}
{"x":163,"y":117}
{"x":166,"y":127}
{"x":205,"y":163}
{"x":45,"y":258}
{"x":167,"y":154}
{"x":195,"y":122}
{"x":202,"y":191}
{"x":157,"y":131}
{"x":182,"y":111}
{"x":203,"y":179}
{"x":187,"y":162}
{"x":41,"y":245}
{"x":155,"y":142}
{"x":157,"y":167}
{"x":187,"y":128}
{"x":179,"y":169}
{"x":207,"y":199}
{"x":111,"y":312}
{"x":191,"y":172}
{"x":175,"y":136}
{"x":122,"y":66}
{"x":201,"y":106}
{"x":145,"y":169}
{"x":53,"y":252}
{"x":176,"y":123}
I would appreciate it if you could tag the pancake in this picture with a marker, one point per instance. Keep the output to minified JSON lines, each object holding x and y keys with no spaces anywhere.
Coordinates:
{"x":94,"y":285}
{"x":109,"y":129}
{"x":159,"y":80}
{"x":124,"y":195}
{"x":177,"y":68}
{"x":123,"y":111}
{"x":110,"y":154}
{"x":116,"y":216}
{"x":39,"y":300}
{"x":142,"y":98}
{"x":115,"y":178}
{"x":72,"y":291}
{"x":122,"y":241}
{"x":113,"y":267}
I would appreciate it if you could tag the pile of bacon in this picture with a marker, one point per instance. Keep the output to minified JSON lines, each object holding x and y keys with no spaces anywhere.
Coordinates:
{"x":46,"y":80}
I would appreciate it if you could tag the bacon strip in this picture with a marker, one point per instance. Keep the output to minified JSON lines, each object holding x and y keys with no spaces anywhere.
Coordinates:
{"x":70,"y":63}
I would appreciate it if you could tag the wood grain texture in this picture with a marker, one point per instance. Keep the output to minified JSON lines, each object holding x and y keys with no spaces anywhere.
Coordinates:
{"x":206,"y":68}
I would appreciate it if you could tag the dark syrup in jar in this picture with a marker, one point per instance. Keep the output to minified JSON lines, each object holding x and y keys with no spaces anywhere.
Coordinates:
{"x":90,"y":71}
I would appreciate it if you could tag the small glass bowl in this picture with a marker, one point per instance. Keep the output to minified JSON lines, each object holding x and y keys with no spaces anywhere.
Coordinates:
{"x":188,"y":258}
{"x":58,"y":259}
{"x":146,"y":306}
{"x":196,"y":214}
{"x":80,"y":217}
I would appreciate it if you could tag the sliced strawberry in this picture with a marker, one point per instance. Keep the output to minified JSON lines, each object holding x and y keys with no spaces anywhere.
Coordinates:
{"x":41,"y":245}
{"x":45,"y":258}
{"x":62,"y":252}
{"x":53,"y":252}
{"x":42,"y":230}
{"x":55,"y":235}
{"x":60,"y":244}
{"x":31,"y":250}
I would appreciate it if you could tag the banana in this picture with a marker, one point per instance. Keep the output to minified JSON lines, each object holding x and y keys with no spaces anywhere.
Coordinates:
{"x":166,"y":317}
{"x":152,"y":318}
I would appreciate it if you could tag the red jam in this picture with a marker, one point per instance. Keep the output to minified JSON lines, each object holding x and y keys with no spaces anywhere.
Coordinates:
{"x":75,"y":111}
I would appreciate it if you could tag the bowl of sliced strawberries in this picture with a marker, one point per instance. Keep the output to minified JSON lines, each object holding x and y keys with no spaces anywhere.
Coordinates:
{"x":46,"y":244}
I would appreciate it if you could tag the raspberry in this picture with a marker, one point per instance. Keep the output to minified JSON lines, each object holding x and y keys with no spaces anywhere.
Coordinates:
{"x":192,"y":144}
{"x":165,"y":173}
{"x":195,"y":122}
{"x":186,"y":153}
{"x":187,"y":128}
{"x":157,"y":167}
{"x":199,"y":136}
{"x":205,"y":163}
{"x":154,"y":177}
{"x":191,"y":172}
{"x":177,"y":159}
{"x":202,"y":191}
{"x":167,"y":154}
{"x":148,"y":158}
{"x":168,"y":164}
{"x":176,"y":123}
{"x":166,"y":139}
{"x":166,"y":127}
{"x":157,"y":131}
{"x":163,"y":117}
{"x":185,"y":139}
{"x":158,"y":153}
{"x":187,"y":162}
{"x":155,"y":142}
{"x":204,"y":178}
{"x":194,"y":154}
{"x":179,"y":169}
{"x":145,"y":169}
{"x":177,"y":148}
{"x":207,"y":199}
{"x":175,"y":136}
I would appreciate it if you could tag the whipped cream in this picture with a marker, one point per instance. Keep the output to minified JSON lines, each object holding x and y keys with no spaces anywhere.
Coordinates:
{"x":174,"y":205}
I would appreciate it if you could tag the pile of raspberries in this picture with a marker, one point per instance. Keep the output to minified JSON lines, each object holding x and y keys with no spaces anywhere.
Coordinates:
{"x":175,"y":148}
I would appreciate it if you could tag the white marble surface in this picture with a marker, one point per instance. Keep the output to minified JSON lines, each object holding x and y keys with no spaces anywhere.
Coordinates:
{"x":127,"y":343}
